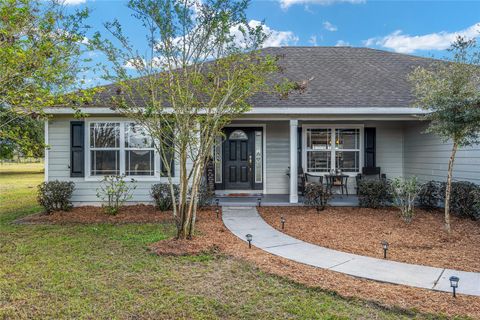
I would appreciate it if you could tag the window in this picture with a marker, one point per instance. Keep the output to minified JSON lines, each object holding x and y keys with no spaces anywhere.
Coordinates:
{"x":104,"y":148}
{"x":330,"y":149}
{"x":121,"y":148}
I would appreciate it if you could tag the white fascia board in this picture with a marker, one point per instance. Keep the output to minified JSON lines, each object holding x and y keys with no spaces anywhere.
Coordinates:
{"x":277,"y":111}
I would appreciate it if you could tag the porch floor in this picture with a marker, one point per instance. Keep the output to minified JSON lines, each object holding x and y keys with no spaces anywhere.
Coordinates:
{"x":279,"y":200}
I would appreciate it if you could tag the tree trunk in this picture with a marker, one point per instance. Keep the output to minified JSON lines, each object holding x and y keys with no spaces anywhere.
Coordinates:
{"x":449,"y":187}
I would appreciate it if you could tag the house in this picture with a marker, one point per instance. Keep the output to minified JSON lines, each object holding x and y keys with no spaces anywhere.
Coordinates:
{"x":355,"y":111}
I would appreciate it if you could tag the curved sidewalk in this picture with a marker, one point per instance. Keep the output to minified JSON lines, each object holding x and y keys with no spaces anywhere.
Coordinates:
{"x":243,"y":220}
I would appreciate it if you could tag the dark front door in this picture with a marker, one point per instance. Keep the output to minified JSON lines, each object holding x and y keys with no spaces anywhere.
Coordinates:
{"x":238,"y":155}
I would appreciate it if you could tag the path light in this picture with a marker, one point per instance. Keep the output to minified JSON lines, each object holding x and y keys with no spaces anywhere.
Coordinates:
{"x":259,"y":201}
{"x":217,"y":201}
{"x":249,"y":239}
{"x":282,"y":220}
{"x":454,"y":284}
{"x":385,"y":248}
{"x":217,"y":211}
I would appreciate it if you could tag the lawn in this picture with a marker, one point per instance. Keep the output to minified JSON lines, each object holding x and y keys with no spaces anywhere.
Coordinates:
{"x":105,"y":271}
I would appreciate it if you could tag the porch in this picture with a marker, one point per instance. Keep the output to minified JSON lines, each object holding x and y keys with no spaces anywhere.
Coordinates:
{"x":279,"y":200}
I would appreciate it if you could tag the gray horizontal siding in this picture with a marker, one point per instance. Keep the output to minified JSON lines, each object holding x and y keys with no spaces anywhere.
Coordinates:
{"x":389,"y":148}
{"x":426,"y":157}
{"x":277,"y":157}
{"x":59,"y":162}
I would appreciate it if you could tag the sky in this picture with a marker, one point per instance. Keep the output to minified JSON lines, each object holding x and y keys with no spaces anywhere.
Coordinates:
{"x":424,"y":28}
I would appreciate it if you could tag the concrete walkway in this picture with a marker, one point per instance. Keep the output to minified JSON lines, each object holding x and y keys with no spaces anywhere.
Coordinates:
{"x":243,"y":220}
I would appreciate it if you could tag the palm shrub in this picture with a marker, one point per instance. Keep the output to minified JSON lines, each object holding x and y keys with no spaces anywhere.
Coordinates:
{"x":317,"y":195}
{"x":405,"y":193}
{"x":115,"y":191}
{"x":55,"y":195}
{"x":374,"y":193}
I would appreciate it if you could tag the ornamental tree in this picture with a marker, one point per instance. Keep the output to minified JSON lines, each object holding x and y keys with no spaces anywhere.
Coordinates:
{"x":450,"y":92}
{"x":199,"y":67}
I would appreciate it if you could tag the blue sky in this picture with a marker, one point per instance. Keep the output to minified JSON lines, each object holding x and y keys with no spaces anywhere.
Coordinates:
{"x":415,"y":27}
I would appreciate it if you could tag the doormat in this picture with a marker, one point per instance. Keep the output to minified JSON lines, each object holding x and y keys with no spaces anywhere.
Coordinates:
{"x":240,"y":195}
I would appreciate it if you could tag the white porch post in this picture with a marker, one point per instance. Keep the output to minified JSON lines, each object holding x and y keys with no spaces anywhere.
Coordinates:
{"x":293,"y":161}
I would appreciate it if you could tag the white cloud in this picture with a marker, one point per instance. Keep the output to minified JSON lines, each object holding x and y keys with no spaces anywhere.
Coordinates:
{"x":313,"y":40}
{"x":342,"y":43}
{"x":288,"y":3}
{"x":329,"y":26}
{"x":404,"y":43}
{"x":72,"y":2}
{"x":275,"y":38}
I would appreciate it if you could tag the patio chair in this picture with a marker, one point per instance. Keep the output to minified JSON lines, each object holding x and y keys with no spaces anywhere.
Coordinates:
{"x":313,"y":178}
{"x":370,"y":173}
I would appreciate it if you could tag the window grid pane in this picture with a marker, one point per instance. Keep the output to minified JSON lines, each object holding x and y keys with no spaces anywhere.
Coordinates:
{"x":105,"y":135}
{"x":319,"y":161}
{"x":105,"y":162}
{"x":139,"y":162}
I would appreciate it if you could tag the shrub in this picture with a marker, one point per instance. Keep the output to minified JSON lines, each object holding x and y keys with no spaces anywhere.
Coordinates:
{"x":374,"y":193}
{"x":405,"y":192}
{"x":55,"y":195}
{"x":115,"y":191}
{"x":431,"y":195}
{"x":316,"y":195}
{"x":465,"y":199}
{"x":162,"y":196}
{"x":205,"y":196}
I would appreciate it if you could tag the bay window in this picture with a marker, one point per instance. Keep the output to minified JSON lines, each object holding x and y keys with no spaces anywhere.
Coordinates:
{"x":121,"y":148}
{"x":331,"y":148}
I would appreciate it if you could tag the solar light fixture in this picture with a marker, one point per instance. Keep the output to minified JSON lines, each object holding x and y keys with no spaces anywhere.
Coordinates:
{"x":282,"y":220}
{"x":249,"y":239}
{"x":454,"y":284}
{"x":217,"y":211}
{"x":259,"y":202}
{"x":385,"y":248}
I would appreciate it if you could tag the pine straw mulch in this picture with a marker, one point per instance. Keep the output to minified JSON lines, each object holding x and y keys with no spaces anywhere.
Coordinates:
{"x":212,"y":234}
{"x":360,"y":231}
{"x":89,"y":214}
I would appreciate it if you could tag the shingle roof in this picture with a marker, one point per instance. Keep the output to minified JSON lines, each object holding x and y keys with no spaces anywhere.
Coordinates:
{"x":338,"y":77}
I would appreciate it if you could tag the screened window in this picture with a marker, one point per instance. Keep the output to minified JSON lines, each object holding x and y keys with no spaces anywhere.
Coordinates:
{"x":139,"y":151}
{"x":330,"y":149}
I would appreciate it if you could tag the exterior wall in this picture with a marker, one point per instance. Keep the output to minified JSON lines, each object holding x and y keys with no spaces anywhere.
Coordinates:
{"x":426,"y":157}
{"x":59,"y":162}
{"x":389,"y":148}
{"x":277,"y":157}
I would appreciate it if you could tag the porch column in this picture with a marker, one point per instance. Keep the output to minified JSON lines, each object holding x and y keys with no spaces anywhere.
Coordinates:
{"x":293,"y":161}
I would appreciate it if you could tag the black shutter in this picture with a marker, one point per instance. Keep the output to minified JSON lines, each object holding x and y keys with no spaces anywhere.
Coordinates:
{"x":370,"y":146}
{"x":77,"y":149}
{"x":169,"y":147}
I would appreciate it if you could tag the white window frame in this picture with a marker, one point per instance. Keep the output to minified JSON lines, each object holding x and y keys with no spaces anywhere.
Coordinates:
{"x":333,"y":148}
{"x":123,"y":149}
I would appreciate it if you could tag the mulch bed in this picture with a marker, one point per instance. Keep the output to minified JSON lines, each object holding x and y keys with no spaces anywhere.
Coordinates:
{"x":213,"y":235}
{"x":360,"y":231}
{"x":90,"y":214}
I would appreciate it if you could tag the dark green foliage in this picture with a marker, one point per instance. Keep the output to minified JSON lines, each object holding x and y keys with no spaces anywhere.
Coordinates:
{"x":55,"y":195}
{"x":431,"y":195}
{"x":465,"y":200}
{"x":374,"y":193}
{"x":317,"y":195}
{"x":162,"y":196}
{"x":205,"y":196}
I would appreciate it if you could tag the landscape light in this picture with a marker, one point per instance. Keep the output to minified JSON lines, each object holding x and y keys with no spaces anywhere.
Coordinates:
{"x":217,"y":211}
{"x":454,"y":284}
{"x":217,"y":201}
{"x":282,"y":220}
{"x":249,"y":239}
{"x":259,"y":201}
{"x":385,"y":248}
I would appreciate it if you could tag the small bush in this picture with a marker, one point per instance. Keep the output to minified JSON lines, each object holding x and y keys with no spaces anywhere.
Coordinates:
{"x":316,"y":195}
{"x":55,"y":195}
{"x":115,"y":191}
{"x":374,"y":193}
{"x":205,"y":196}
{"x":405,"y":192}
{"x":162,"y":196}
{"x":431,"y":195}
{"x":465,"y":199}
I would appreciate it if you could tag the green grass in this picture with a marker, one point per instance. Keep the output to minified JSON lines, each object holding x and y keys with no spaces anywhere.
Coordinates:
{"x":104,"y":271}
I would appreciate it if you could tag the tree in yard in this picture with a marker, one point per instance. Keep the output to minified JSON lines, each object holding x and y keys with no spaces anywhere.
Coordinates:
{"x":201,"y":66}
{"x":40,"y":50}
{"x":450,"y":92}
